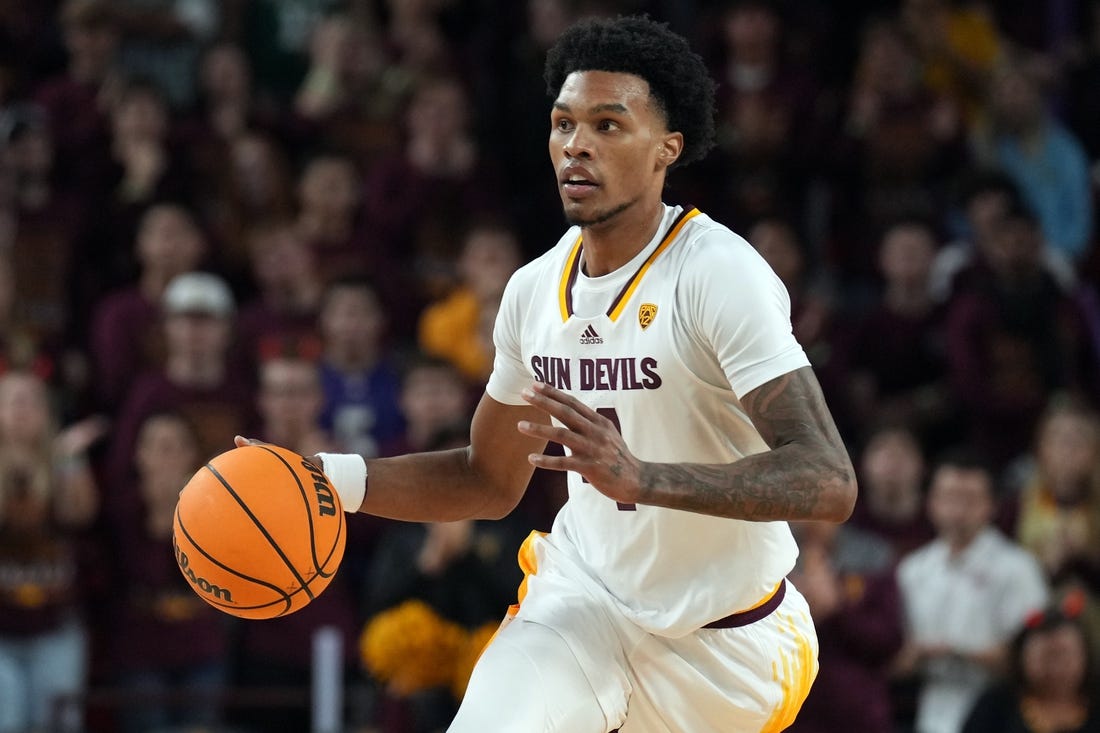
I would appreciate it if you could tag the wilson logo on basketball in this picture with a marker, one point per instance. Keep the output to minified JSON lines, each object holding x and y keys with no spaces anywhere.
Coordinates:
{"x":326,"y":505}
{"x":202,"y":584}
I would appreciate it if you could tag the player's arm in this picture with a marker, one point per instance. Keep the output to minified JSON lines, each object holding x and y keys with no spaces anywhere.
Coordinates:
{"x":485,"y":480}
{"x":807,"y":474}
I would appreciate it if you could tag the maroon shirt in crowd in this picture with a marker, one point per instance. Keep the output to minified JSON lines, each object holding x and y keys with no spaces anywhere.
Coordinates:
{"x":218,"y":413}
{"x":852,"y":692}
{"x":125,"y":340}
{"x":159,"y":621}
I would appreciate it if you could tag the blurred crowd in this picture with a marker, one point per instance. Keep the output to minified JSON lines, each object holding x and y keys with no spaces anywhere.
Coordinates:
{"x":294,"y":219}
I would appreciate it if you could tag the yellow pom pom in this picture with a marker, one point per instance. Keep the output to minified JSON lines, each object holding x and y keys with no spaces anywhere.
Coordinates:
{"x":469,"y":654}
{"x":411,"y":647}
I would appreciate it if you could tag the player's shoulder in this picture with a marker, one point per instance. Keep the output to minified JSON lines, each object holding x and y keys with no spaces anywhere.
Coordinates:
{"x":709,"y":245}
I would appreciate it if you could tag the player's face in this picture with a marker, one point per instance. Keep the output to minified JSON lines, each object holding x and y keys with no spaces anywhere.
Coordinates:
{"x":610,"y":145}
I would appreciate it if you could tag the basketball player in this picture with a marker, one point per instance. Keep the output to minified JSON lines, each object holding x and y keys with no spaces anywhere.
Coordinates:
{"x":656,"y":346}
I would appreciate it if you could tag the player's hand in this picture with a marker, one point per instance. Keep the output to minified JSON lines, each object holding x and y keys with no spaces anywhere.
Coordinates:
{"x":240,"y":441}
{"x":597,"y":450}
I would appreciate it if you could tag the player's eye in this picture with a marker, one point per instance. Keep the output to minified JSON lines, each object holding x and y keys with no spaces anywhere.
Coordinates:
{"x":563,"y":125}
{"x":607,"y":125}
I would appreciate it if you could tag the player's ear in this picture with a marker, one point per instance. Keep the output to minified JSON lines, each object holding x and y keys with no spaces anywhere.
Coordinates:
{"x":669,"y":148}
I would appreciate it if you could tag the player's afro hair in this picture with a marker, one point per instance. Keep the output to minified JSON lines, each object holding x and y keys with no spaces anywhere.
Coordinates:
{"x":678,"y":79}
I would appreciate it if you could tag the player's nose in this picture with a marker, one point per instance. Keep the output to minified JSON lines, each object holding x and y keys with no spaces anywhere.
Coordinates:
{"x":578,"y":146}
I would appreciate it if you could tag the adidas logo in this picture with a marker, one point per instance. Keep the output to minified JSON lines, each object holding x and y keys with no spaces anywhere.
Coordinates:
{"x":590,"y":336}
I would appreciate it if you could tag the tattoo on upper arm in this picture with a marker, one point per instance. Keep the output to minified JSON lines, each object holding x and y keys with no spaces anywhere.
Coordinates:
{"x":803,"y":477}
{"x":790,"y":408}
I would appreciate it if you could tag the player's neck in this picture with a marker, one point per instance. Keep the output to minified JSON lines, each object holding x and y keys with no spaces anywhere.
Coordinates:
{"x":610,"y":245}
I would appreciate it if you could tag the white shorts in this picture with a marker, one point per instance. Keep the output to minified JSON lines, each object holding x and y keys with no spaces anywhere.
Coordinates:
{"x":569,"y":661}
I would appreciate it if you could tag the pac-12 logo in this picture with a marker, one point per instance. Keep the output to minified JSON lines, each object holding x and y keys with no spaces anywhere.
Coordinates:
{"x":646,"y":313}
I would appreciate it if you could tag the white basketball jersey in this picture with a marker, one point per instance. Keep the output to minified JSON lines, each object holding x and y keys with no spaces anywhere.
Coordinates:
{"x":662,"y":347}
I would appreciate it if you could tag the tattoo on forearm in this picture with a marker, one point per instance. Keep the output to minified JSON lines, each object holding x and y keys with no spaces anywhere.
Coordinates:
{"x":806,"y":475}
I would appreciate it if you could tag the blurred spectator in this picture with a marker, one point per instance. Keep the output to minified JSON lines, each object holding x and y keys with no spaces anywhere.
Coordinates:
{"x":162,"y":39}
{"x":898,"y":137}
{"x":433,"y":396}
{"x":196,"y":379}
{"x":47,"y":496}
{"x":985,"y":196}
{"x":811,"y":299}
{"x":332,"y":219}
{"x":1053,"y":684}
{"x":40,"y":225}
{"x":277,"y":36}
{"x":145,"y":164}
{"x":459,"y":328}
{"x":329,"y":215}
{"x":227,"y":105}
{"x":847,"y":577}
{"x":753,"y":62}
{"x":44,"y":221}
{"x":891,"y":479}
{"x":965,"y":594}
{"x":352,"y":92}
{"x":768,"y":121}
{"x":75,"y":101}
{"x":1012,"y":339}
{"x":1059,"y":506}
{"x":892,"y":361}
{"x":359,"y":379}
{"x":290,"y":401}
{"x":253,"y":187}
{"x":164,"y":639}
{"x":465,"y":570}
{"x":19,"y":348}
{"x":533,"y":202}
{"x":416,"y":31}
{"x":1046,"y":161}
{"x":228,"y":109}
{"x":139,"y":168}
{"x":126,"y":337}
{"x":277,"y":652}
{"x":282,"y":318}
{"x":958,"y":44}
{"x":437,"y":182}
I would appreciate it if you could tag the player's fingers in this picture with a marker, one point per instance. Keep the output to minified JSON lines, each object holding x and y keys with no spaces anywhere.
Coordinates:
{"x":240,"y":441}
{"x":552,"y":405}
{"x":576,"y":442}
{"x":558,"y":463}
{"x":565,"y":398}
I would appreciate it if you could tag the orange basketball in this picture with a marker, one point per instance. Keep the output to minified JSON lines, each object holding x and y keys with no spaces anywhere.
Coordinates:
{"x":259,"y":532}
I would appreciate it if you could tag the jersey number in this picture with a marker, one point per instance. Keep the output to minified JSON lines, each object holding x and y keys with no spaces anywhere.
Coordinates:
{"x":610,"y":414}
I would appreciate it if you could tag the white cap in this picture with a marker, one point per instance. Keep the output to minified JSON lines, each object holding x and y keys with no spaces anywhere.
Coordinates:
{"x":198,"y":292}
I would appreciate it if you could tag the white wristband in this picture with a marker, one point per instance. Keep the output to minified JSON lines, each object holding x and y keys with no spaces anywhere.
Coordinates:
{"x":348,"y":474}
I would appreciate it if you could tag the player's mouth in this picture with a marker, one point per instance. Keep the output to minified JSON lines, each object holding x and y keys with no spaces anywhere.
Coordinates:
{"x":576,"y":182}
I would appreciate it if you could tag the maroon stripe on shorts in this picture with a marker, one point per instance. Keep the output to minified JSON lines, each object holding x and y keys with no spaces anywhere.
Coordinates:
{"x":744,"y":618}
